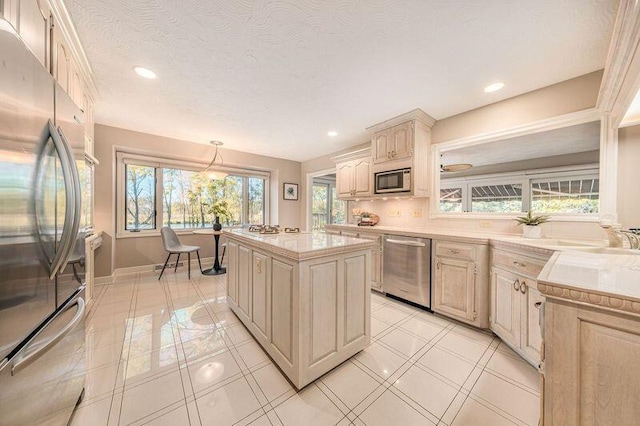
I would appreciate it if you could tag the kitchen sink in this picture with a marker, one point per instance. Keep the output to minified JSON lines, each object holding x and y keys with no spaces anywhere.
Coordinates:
{"x":568,"y":243}
{"x":609,"y":250}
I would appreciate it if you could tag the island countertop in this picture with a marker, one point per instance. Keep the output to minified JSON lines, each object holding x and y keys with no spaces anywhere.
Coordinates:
{"x":606,"y":280}
{"x":303,"y":245}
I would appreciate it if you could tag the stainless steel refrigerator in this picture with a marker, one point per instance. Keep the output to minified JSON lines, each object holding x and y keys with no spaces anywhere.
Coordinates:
{"x":42,"y":349}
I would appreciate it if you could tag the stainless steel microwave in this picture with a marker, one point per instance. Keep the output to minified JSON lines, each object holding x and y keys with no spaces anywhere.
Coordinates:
{"x":393,"y":181}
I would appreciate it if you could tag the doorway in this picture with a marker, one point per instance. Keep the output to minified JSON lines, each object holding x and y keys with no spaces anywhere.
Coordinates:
{"x":326,"y":208}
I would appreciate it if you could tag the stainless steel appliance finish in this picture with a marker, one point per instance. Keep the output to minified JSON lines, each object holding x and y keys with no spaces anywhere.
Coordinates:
{"x":42,"y":359}
{"x":406,"y":271}
{"x":393,"y":181}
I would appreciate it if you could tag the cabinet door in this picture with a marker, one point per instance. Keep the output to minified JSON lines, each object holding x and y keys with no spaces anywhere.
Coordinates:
{"x":76,"y":86}
{"x":344,"y":180}
{"x":402,"y":140}
{"x":88,"y":108}
{"x":232,"y":271}
{"x":244,"y":281}
{"x":61,"y":66}
{"x":531,"y":335}
{"x":376,"y":260}
{"x":34,"y":28}
{"x":381,"y":146}
{"x":454,"y":288}
{"x":9,"y":11}
{"x":259,"y":292}
{"x":362,"y":177}
{"x":505,"y":306}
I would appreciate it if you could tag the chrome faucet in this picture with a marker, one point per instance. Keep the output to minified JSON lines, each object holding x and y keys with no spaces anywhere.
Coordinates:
{"x":615,"y":234}
{"x":634,"y":239}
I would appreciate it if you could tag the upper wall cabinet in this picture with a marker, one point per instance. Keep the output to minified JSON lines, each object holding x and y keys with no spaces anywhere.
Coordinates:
{"x":9,"y":11}
{"x":403,"y":143}
{"x":33,"y":26}
{"x":353,"y":178}
{"x":395,"y":143}
{"x":61,"y":59}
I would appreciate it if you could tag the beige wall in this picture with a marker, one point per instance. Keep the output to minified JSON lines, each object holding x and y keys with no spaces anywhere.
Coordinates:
{"x":562,"y":98}
{"x":141,"y":251}
{"x":629,"y":177}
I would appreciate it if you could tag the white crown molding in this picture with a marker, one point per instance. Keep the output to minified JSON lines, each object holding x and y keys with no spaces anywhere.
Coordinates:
{"x":621,"y":79}
{"x":353,"y":155}
{"x":62,"y":18}
{"x":416,"y":114}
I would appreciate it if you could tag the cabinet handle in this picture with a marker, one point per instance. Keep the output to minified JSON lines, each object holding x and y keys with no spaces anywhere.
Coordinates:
{"x":523,"y":287}
{"x":259,"y":266}
{"x":516,"y":284}
{"x":453,"y":251}
{"x":519,"y":264}
{"x":438,"y":264}
{"x":537,"y":305}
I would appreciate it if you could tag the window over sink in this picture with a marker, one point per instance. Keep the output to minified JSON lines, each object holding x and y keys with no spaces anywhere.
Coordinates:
{"x":553,"y":170}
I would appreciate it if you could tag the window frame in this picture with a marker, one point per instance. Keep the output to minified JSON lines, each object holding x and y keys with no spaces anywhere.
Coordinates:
{"x":124,"y":157}
{"x":526,"y":179}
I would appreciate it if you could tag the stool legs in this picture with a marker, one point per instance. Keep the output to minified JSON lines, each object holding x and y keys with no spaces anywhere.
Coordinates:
{"x":177,"y":260}
{"x":189,"y":265}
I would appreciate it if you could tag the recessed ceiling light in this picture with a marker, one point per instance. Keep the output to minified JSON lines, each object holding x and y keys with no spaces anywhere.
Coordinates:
{"x":494,"y":87}
{"x":145,"y":72}
{"x":332,"y":133}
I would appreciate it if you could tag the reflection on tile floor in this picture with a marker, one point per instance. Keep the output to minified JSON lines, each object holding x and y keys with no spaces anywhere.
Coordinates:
{"x":171,"y":352}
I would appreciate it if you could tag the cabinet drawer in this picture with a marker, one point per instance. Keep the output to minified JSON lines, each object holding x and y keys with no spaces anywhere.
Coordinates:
{"x":349,"y":234}
{"x":518,"y":263}
{"x":456,"y":250}
{"x":374,"y":237}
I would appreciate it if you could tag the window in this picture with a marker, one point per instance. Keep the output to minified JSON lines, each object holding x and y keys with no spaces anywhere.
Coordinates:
{"x":561,"y":191}
{"x":140,"y":201}
{"x":577,"y":195}
{"x":159,"y":193}
{"x":505,"y":198}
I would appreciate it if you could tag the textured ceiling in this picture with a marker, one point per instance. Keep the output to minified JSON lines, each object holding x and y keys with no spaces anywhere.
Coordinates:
{"x":272,"y":77}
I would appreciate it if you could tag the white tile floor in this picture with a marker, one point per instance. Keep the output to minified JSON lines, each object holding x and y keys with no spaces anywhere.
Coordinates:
{"x":171,"y":352}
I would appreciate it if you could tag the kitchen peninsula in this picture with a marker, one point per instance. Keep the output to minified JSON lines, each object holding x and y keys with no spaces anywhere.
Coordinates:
{"x":305,"y":297}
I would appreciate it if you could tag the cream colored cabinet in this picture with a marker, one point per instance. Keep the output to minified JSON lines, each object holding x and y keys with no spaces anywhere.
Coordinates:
{"x":232,"y":270}
{"x":460,"y":282}
{"x":260,"y":292}
{"x":61,"y":59}
{"x":394,"y":143}
{"x":309,"y":315}
{"x":354,"y":179}
{"x":516,"y":302}
{"x":34,"y":28}
{"x":9,"y":10}
{"x":376,"y":260}
{"x":76,"y":85}
{"x":592,"y":360}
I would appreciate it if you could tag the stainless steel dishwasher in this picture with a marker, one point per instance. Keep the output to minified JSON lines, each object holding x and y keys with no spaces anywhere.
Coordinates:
{"x":407,"y":268}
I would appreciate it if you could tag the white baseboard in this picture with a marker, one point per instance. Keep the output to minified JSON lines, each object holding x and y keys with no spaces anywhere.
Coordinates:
{"x":207,"y":262}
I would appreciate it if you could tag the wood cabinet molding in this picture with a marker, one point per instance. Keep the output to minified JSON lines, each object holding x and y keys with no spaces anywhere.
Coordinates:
{"x":583,"y":297}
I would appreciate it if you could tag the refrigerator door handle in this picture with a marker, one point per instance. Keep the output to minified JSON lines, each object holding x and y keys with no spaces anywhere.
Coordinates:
{"x":76,"y":194}
{"x":65,"y":240}
{"x":28,"y":359}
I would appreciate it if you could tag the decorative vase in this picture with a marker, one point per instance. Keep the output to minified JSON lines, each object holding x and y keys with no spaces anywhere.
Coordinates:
{"x":532,"y":231}
{"x":216,"y":224}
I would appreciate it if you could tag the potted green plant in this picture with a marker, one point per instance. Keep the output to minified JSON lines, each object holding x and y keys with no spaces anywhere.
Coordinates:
{"x":530,"y":224}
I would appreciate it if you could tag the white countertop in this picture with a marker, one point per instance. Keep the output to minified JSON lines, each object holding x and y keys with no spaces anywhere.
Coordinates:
{"x":611,"y":275}
{"x":303,"y":245}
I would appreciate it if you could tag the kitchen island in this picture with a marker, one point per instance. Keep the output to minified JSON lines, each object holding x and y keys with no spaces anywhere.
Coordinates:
{"x":305,"y":297}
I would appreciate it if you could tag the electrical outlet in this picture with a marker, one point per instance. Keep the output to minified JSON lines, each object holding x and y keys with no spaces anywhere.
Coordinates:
{"x":417,"y":212}
{"x":485,"y":224}
{"x":393,"y":213}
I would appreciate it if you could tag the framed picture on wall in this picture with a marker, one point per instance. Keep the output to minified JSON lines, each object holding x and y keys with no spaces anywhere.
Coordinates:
{"x":290,"y":191}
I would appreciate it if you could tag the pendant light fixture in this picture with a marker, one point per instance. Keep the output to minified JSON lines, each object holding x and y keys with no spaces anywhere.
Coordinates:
{"x":209,"y":171}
